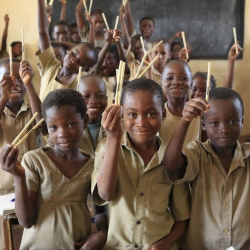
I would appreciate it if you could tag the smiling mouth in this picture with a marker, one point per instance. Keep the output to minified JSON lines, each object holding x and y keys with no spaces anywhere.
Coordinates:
{"x":93,"y":109}
{"x":15,"y":92}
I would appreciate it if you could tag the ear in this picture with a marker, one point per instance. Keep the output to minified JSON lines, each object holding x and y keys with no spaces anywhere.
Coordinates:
{"x":169,"y":54}
{"x":164,"y":114}
{"x":53,"y":35}
{"x":85,"y":121}
{"x":203,"y":124}
{"x":242,"y":122}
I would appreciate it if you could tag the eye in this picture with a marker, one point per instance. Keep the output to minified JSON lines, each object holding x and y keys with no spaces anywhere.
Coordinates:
{"x":52,"y":127}
{"x":74,"y":53}
{"x":184,"y":78}
{"x":234,"y":121}
{"x":151,"y":114}
{"x":170,"y":78}
{"x":85,"y":96}
{"x":132,"y":115}
{"x":101,"y":97}
{"x":214,"y":124}
{"x":71,"y":124}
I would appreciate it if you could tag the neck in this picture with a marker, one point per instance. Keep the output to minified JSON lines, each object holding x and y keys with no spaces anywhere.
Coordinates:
{"x":159,"y":68}
{"x":225,"y":151}
{"x":65,"y":72}
{"x":98,"y":34}
{"x":151,"y":145}
{"x":95,"y":121}
{"x":14,"y":107}
{"x":67,"y":155}
{"x":176,"y":105}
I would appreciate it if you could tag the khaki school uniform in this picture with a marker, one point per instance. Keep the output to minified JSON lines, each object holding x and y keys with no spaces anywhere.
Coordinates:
{"x":50,"y":67}
{"x":139,"y":215}
{"x":133,"y":64}
{"x":220,"y":215}
{"x":86,"y":143}
{"x":156,"y":75}
{"x":170,"y":124}
{"x":84,"y":34}
{"x":4,"y":55}
{"x":62,"y":215}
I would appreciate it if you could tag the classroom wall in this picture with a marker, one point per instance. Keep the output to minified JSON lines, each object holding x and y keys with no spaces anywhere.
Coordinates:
{"x":23,"y":14}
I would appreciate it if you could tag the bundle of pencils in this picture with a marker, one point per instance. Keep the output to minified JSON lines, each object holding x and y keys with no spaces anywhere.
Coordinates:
{"x":120,"y":77}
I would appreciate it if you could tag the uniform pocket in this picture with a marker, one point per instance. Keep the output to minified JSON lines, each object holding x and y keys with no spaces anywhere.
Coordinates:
{"x":159,"y":197}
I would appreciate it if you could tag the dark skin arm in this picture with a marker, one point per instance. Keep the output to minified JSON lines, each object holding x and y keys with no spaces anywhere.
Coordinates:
{"x":26,"y":74}
{"x":67,"y":45}
{"x":125,"y":34}
{"x":108,"y":37}
{"x":91,"y":28}
{"x":167,"y":242}
{"x":129,"y":19}
{"x":43,"y":26}
{"x":173,"y":158}
{"x":231,"y":63}
{"x":5,"y":33}
{"x":79,"y":17}
{"x":25,"y":201}
{"x":63,"y":10}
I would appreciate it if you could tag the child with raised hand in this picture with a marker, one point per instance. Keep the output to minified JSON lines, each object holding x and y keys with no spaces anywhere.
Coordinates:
{"x":198,"y":87}
{"x":96,"y":25}
{"x":219,"y":170}
{"x":147,"y":25}
{"x":163,"y":51}
{"x":94,"y":93}
{"x":109,"y":58}
{"x":54,"y":76}
{"x":129,"y":174}
{"x":176,"y":81}
{"x":74,"y":33}
{"x":53,"y":182}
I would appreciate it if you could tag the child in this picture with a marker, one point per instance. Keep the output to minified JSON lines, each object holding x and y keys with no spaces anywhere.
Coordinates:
{"x":147,"y":25}
{"x":94,"y":93}
{"x":15,"y":113}
{"x":128,"y":173}
{"x":163,"y":50}
{"x":109,"y":58}
{"x":59,"y":52}
{"x":53,"y":182}
{"x":54,"y":76}
{"x":176,"y":80}
{"x":74,"y":33}
{"x":16,"y":47}
{"x":219,"y":169}
{"x":198,"y":87}
{"x":61,"y":31}
{"x":96,"y":24}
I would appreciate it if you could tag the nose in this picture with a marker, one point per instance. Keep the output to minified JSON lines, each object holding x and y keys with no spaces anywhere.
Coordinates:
{"x":62,"y":132}
{"x":140,"y":121}
{"x":224,"y":127}
{"x":92,"y":99}
{"x":160,"y":56}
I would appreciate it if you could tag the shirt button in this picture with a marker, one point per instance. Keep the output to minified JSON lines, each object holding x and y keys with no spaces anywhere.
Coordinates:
{"x":136,"y":246}
{"x":138,"y":222}
{"x":141,"y":194}
{"x":227,"y":207}
{"x":225,"y":231}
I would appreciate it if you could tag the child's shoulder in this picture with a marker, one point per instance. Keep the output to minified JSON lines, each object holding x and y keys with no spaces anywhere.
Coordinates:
{"x":245,"y":147}
{"x":38,"y":153}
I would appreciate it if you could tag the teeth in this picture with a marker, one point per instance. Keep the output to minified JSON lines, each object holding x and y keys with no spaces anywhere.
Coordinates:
{"x":92,"y":109}
{"x":15,"y":92}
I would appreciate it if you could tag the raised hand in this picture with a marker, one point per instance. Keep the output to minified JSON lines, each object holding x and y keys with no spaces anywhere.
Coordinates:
{"x":232,"y":52}
{"x":26,"y":72}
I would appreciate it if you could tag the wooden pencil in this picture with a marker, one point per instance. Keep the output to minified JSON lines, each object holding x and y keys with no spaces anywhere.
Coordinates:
{"x":184,"y":43}
{"x":208,"y":81}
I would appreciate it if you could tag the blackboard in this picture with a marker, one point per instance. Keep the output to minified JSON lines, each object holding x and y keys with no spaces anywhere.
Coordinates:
{"x":208,"y":23}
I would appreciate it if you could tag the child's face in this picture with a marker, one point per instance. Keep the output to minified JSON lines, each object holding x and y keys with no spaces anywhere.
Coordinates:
{"x":198,"y":87}
{"x":176,"y":79}
{"x":75,"y":35}
{"x":175,"y":51}
{"x":109,"y":65}
{"x":18,"y":91}
{"x":79,"y":56}
{"x":143,"y":114}
{"x":59,"y":54}
{"x":93,"y":90}
{"x":65,"y":127}
{"x":137,"y":50}
{"x":98,"y":23}
{"x":147,"y":28}
{"x":164,"y":54}
{"x":17,"y":50}
{"x":61,"y":33}
{"x":223,"y":122}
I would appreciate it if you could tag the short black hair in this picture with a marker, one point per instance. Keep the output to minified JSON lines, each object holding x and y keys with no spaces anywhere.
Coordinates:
{"x":114,"y":50}
{"x":222,"y":93}
{"x":203,"y":75}
{"x":164,"y":42}
{"x":92,"y":50}
{"x":174,"y":62}
{"x":96,"y":11}
{"x":143,"y":84}
{"x":61,"y":22}
{"x":13,"y":44}
{"x":175,"y":43}
{"x":94,"y":76}
{"x":147,"y":18}
{"x":61,"y":97}
{"x":73,"y":25}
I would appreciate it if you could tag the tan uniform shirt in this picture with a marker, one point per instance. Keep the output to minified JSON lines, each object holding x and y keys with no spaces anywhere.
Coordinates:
{"x":133,"y":64}
{"x":156,"y":75}
{"x":62,"y":215}
{"x":170,"y":124}
{"x":86,"y":144}
{"x":139,"y":215}
{"x":220,"y":215}
{"x":84,"y":34}
{"x":50,"y":67}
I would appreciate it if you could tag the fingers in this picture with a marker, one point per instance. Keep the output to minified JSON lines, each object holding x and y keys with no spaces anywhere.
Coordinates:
{"x":8,"y":156}
{"x":111,"y":117}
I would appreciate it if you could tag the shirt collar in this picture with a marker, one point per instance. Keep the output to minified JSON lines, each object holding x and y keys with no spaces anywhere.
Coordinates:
{"x":25,"y":106}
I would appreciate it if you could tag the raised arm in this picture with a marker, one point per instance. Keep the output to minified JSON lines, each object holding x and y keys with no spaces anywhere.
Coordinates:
{"x":173,"y":158}
{"x":25,"y":201}
{"x":108,"y":37}
{"x":79,"y":17}
{"x":231,"y":62}
{"x":5,"y":33}
{"x":63,"y":10}
{"x":43,"y":25}
{"x":129,"y":20}
{"x":108,"y":175}
{"x":125,"y":34}
{"x":91,"y":28}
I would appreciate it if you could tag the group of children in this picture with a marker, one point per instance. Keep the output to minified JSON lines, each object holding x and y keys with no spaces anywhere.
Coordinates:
{"x":164,"y":167}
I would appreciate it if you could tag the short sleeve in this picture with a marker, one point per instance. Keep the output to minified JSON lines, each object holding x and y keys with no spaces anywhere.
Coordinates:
{"x":180,"y":204}
{"x":31,"y":175}
{"x":99,"y":156}
{"x":47,"y":60}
